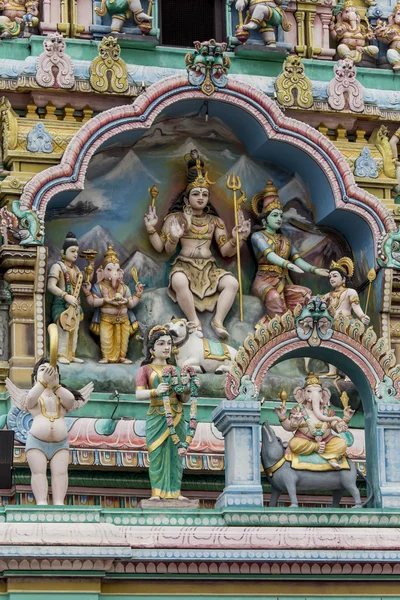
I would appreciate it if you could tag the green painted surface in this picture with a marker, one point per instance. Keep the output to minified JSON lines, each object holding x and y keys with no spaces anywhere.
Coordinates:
{"x":101,"y":406}
{"x":288,"y":517}
{"x":245,"y":62}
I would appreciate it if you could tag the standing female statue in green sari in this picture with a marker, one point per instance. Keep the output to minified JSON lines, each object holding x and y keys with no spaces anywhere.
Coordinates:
{"x":167,"y":434}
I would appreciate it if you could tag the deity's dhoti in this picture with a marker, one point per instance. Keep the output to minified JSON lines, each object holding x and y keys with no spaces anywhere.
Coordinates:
{"x":118,"y":9}
{"x":204,"y":277}
{"x":114,"y":336}
{"x":335,"y":449}
{"x":277,"y":294}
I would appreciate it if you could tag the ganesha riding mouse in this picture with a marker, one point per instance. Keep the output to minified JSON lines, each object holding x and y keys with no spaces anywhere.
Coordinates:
{"x":314,"y":446}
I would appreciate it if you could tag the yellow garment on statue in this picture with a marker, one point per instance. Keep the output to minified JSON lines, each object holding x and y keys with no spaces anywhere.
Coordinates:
{"x":335,"y":449}
{"x":114,"y":337}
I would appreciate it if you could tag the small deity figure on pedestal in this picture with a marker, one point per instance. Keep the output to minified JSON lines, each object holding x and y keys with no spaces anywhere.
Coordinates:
{"x":16,"y":12}
{"x":65,"y":282}
{"x":264,"y":16}
{"x":314,"y":447}
{"x":120,"y":11}
{"x":48,"y":402}
{"x":167,"y":435}
{"x":352,"y":34}
{"x":113,"y":319}
{"x":390,"y":34}
{"x":195,"y":281}
{"x":276,"y":256}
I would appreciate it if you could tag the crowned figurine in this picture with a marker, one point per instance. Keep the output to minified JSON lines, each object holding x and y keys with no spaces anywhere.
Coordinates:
{"x":113,"y":319}
{"x":352,"y":33}
{"x":314,"y":447}
{"x":343,"y":300}
{"x":276,"y":256}
{"x":196,"y":283}
{"x":65,"y":282}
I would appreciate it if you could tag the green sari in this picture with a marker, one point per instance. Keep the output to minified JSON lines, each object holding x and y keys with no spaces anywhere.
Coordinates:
{"x":166,"y":466}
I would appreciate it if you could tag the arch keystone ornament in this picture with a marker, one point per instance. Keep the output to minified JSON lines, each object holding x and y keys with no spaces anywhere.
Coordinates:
{"x":208,"y":66}
{"x":344,"y":342}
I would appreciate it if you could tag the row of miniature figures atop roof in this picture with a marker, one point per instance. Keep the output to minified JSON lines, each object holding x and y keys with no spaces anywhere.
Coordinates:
{"x":196,"y":283}
{"x":356,"y":32}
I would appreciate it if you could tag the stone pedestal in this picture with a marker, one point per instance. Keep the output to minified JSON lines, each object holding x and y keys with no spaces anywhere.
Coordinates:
{"x":161,"y":504}
{"x":388,"y":431}
{"x":239,"y":422}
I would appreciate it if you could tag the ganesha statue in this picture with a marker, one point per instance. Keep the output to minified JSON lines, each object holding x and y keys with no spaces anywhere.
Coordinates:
{"x":390,"y":35}
{"x":113,"y":319}
{"x":314,"y":446}
{"x":121,"y":10}
{"x":18,"y":16}
{"x":353,"y":34}
{"x":264,"y":16}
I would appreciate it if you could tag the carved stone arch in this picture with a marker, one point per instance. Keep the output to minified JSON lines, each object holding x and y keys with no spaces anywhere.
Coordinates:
{"x":236,"y":102}
{"x":357,"y":351}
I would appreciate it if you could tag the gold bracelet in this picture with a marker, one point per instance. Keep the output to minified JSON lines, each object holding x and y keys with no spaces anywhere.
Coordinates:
{"x":285,"y":264}
{"x":152,"y":231}
{"x":172,"y":240}
{"x":282,"y":420}
{"x":55,"y":388}
{"x":233,"y":242}
{"x":153,"y":394}
{"x":43,"y":383}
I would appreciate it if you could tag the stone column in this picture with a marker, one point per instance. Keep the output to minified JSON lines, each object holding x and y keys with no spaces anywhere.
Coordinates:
{"x":24,"y":270}
{"x":239,"y":422}
{"x":388,"y":432}
{"x":5,"y":301}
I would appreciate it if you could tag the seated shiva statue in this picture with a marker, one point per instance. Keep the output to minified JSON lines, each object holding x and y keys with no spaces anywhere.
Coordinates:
{"x":314,"y":446}
{"x":196,"y":283}
{"x":276,"y":256}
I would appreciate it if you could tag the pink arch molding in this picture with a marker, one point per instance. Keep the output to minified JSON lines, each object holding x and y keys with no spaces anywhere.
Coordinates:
{"x":286,"y":343}
{"x":70,"y":173}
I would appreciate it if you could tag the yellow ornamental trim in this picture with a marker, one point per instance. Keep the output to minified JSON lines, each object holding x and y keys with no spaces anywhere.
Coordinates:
{"x":108,"y":72}
{"x":292,"y":86}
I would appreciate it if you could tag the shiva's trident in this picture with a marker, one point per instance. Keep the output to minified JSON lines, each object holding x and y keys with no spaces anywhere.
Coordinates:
{"x":233,"y":183}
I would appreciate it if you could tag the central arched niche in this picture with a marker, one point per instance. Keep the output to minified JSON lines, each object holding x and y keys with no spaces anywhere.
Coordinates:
{"x":116,"y":196}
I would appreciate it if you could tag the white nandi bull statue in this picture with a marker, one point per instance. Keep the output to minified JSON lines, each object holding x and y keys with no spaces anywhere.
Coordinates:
{"x":206,"y":356}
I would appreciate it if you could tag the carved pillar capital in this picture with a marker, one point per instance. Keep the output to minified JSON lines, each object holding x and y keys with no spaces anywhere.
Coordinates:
{"x":24,"y":269}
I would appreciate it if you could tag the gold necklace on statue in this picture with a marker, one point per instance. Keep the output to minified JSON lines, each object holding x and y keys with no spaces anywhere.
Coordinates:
{"x":336,"y":296}
{"x":44,"y":412}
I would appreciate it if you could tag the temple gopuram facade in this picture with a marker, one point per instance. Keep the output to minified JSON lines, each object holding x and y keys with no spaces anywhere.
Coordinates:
{"x":199,"y":299}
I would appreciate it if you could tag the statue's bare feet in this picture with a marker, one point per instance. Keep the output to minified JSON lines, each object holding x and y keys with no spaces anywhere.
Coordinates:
{"x":77,"y":360}
{"x":251,"y":25}
{"x":63,"y":360}
{"x":103,"y":361}
{"x":142,"y":16}
{"x":155,"y":499}
{"x":125,"y":361}
{"x":334,"y":463}
{"x":182,"y":498}
{"x":220,"y":330}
